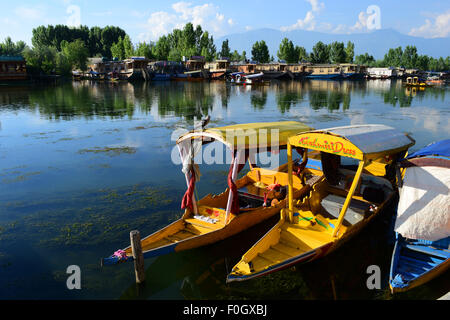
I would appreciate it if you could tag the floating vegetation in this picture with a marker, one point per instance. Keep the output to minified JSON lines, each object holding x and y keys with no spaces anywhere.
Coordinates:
{"x":100,"y":166}
{"x":20,"y":178}
{"x":90,"y":219}
{"x":138,"y":128}
{"x":111,"y":151}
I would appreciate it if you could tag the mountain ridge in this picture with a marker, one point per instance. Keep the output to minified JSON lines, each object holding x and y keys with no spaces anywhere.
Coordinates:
{"x":376,"y":43}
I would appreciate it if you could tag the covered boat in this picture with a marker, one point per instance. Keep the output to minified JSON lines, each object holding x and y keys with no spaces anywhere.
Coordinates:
{"x":257,"y":196}
{"x":422,"y":226}
{"x":357,"y":164}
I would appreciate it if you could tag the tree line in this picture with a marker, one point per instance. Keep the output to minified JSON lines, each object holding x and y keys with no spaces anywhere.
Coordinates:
{"x":60,"y":49}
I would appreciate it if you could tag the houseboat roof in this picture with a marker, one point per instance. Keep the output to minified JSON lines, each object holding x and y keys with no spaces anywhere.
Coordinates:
{"x":12,"y":58}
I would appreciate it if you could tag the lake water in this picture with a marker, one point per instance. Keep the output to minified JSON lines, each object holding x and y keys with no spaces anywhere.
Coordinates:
{"x":82,"y":164}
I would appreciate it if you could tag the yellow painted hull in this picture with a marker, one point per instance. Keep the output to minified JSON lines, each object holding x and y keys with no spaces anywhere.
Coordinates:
{"x":289,"y":243}
{"x":189,"y":232}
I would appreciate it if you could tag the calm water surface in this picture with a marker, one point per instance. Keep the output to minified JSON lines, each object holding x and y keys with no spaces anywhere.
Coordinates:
{"x":82,"y":164}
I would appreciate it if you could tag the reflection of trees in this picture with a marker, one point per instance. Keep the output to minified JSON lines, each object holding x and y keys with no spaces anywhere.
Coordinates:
{"x":187,"y":99}
{"x":94,"y":99}
{"x":330,"y":94}
{"x":289,"y":94}
{"x":258,"y":98}
{"x":116,"y":100}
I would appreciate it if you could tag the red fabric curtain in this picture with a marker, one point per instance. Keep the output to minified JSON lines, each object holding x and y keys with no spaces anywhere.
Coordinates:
{"x":233,"y":189}
{"x":187,"y":202}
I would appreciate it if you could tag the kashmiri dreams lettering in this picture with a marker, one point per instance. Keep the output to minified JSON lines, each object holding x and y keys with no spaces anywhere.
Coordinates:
{"x":336,"y":147}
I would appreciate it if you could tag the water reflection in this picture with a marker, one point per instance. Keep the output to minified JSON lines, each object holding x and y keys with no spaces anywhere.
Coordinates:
{"x":192,"y":100}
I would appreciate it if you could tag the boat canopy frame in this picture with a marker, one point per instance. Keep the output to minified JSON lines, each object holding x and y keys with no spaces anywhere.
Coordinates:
{"x":362,"y":142}
{"x":239,"y":139}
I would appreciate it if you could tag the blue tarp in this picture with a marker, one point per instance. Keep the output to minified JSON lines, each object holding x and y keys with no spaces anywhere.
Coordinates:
{"x":440,"y":148}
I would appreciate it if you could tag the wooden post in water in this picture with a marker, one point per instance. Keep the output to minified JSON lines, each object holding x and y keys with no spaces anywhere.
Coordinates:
{"x":139,"y":269}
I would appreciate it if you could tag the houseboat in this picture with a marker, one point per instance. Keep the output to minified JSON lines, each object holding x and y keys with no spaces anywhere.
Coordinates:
{"x":135,"y":68}
{"x":381,"y":73}
{"x":101,"y":68}
{"x":12,"y":68}
{"x":196,"y":68}
{"x":297,"y":71}
{"x":247,"y":68}
{"x":218,"y":69}
{"x":324,"y":72}
{"x":274,"y":70}
{"x":351,"y":71}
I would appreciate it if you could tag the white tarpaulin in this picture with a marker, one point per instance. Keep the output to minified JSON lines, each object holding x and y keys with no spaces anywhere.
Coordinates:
{"x":424,"y":206}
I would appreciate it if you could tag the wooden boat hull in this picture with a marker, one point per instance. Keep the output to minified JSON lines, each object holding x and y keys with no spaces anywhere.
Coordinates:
{"x":189,"y":233}
{"x":415,"y":265}
{"x":281,"y":236}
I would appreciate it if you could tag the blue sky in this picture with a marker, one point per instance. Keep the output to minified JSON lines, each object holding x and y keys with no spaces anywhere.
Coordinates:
{"x":147,"y":20}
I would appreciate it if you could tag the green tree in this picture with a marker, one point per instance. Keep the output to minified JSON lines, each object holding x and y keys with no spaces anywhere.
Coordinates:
{"x":128,"y":48}
{"x":409,"y":57}
{"x":76,"y":53}
{"x":144,"y":49}
{"x":41,"y":59}
{"x":365,"y":59}
{"x":110,"y":35}
{"x":188,"y":43}
{"x":174,"y":55}
{"x":9,"y":48}
{"x":302,"y":54}
{"x":226,"y":51}
{"x":349,"y":52}
{"x":243,"y":56}
{"x":393,"y":58}
{"x":337,"y":52}
{"x":162,"y":48}
{"x":207,"y":46}
{"x":118,"y":50}
{"x":235,"y":56}
{"x":320,"y":53}
{"x":287,"y":51}
{"x":260,"y":52}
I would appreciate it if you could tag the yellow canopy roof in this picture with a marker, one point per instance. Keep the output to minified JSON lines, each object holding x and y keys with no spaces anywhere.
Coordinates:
{"x":250,"y":135}
{"x":358,"y":141}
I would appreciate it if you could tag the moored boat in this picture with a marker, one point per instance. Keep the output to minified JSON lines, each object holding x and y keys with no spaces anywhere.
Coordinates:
{"x":247,"y":201}
{"x":422,"y":247}
{"x":339,"y":205}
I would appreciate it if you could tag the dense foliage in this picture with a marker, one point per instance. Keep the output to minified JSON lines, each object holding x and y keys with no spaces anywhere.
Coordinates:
{"x":260,"y":52}
{"x":60,"y":49}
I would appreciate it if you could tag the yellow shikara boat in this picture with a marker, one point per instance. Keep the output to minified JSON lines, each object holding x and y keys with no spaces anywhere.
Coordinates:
{"x":359,"y":180}
{"x":415,"y":82}
{"x":255,"y":197}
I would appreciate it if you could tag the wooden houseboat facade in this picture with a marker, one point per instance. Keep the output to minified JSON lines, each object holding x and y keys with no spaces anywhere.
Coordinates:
{"x":12,"y":68}
{"x":324,"y":71}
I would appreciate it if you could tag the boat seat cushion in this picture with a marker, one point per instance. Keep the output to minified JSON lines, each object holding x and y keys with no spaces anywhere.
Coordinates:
{"x":356,"y":212}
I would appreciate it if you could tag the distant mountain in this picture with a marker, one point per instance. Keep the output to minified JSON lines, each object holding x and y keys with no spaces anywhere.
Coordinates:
{"x":376,"y":43}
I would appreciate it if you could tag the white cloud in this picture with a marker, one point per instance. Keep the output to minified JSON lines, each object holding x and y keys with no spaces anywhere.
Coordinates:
{"x":359,"y":26}
{"x":29,"y":13}
{"x":439,"y":28}
{"x":206,"y":15}
{"x":308,"y":23}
